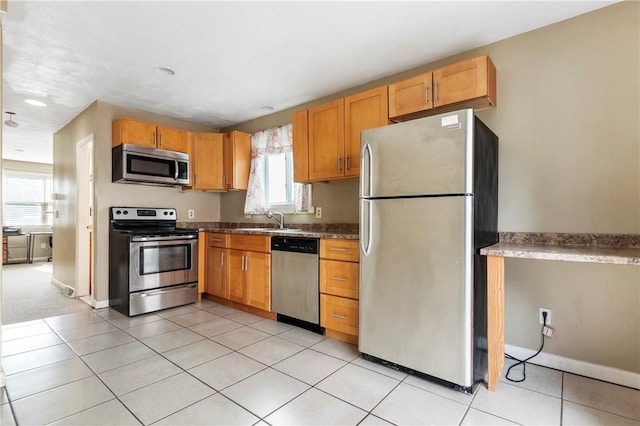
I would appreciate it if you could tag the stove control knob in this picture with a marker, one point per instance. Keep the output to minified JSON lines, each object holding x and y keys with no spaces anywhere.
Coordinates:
{"x":171,"y":213}
{"x":166,"y":213}
{"x":126,"y":212}
{"x":118,"y":212}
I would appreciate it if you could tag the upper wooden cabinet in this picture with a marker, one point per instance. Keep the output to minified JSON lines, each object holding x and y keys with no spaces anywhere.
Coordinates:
{"x":207,"y":161}
{"x":220,"y":162}
{"x":411,"y":95}
{"x":237,"y":160}
{"x":362,"y":111}
{"x":126,"y":130}
{"x":326,"y":138}
{"x":470,"y":83}
{"x":300,"y":134}
{"x":473,"y":79}
{"x":326,"y":141}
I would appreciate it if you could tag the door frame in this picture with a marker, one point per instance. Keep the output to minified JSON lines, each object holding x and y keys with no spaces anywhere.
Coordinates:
{"x":84,"y":260}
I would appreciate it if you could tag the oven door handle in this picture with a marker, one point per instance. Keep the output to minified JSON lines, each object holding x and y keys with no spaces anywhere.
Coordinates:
{"x":165,"y":238}
{"x":163,"y":291}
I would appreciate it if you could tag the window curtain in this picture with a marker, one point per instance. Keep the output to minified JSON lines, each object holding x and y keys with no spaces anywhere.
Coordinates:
{"x":277,"y":140}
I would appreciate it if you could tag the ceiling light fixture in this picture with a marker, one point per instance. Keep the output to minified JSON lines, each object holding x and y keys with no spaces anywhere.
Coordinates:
{"x":164,"y":70}
{"x":35,"y":102}
{"x":10,"y":121}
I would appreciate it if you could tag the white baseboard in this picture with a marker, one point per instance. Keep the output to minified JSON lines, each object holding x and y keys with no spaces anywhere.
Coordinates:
{"x":96,"y":304}
{"x":596,"y":371}
{"x":67,"y":289}
{"x":99,"y":304}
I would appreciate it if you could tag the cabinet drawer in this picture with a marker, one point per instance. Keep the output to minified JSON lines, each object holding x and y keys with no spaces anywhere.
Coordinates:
{"x":340,"y":250}
{"x":217,"y":240}
{"x":339,"y":313}
{"x":339,"y":278}
{"x":250,"y":242}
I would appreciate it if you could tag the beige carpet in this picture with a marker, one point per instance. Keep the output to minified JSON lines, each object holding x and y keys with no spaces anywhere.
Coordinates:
{"x":28,"y":294}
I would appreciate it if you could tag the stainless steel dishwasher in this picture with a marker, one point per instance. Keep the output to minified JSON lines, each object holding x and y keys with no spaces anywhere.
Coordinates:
{"x":295,"y":295}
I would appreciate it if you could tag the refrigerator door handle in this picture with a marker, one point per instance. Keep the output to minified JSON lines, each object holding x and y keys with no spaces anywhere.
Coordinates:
{"x":367,"y":178}
{"x":365,"y":225}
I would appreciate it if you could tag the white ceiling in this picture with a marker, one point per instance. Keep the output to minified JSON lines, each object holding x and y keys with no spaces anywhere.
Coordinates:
{"x":230,"y":58}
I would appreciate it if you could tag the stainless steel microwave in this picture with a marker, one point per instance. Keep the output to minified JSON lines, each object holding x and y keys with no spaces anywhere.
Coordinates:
{"x":149,"y":166}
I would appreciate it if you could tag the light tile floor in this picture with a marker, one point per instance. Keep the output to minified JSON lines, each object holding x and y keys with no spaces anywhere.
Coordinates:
{"x":207,"y":364}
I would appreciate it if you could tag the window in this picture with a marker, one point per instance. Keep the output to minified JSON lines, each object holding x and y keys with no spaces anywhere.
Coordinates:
{"x":27,"y":198}
{"x":271,"y":185}
{"x":279,"y":182}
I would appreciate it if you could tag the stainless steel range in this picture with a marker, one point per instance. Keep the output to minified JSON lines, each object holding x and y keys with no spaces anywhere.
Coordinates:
{"x":152,"y":264}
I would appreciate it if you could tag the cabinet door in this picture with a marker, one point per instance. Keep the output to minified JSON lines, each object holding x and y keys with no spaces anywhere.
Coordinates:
{"x":237,"y":160}
{"x":463,"y":81}
{"x":300,"y":134}
{"x":411,"y":95}
{"x":126,"y":130}
{"x":207,"y":161}
{"x":339,"y":313}
{"x":236,"y":276}
{"x":216,"y":283}
{"x":172,"y":139}
{"x":362,"y":111}
{"x":258,"y":280}
{"x":326,"y":141}
{"x":339,"y":278}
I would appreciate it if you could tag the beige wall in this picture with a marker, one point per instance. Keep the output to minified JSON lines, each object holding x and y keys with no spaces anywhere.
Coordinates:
{"x":64,"y":189}
{"x":568,"y":121}
{"x":97,"y":120}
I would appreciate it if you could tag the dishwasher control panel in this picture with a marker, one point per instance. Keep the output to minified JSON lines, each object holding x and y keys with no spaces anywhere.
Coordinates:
{"x":295,"y":244}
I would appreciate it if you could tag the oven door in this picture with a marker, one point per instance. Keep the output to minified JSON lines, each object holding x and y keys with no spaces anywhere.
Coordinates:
{"x":162,"y":261}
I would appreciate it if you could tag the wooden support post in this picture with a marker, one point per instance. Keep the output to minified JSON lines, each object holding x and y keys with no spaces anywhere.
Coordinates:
{"x":495,"y":319}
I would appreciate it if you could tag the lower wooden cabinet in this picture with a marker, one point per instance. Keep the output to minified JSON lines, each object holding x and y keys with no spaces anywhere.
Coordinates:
{"x":249,"y":270}
{"x":339,"y":314}
{"x":216,"y":280}
{"x":250,"y":278}
{"x":339,"y":288}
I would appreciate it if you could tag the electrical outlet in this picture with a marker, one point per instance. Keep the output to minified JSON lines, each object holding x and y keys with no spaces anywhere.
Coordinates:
{"x":318,"y":212}
{"x":540,"y":319}
{"x":191,"y":213}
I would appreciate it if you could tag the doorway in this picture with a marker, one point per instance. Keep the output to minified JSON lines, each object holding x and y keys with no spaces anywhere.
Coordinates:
{"x":84,"y":223}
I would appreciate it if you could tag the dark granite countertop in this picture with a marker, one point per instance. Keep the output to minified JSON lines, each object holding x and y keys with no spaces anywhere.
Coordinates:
{"x":593,"y":248}
{"x":344,"y":231}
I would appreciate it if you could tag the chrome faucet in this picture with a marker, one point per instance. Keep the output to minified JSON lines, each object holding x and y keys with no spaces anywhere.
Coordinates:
{"x":275,"y":219}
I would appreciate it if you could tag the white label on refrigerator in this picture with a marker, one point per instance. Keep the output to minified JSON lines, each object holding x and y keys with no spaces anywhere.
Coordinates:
{"x":450,"y":120}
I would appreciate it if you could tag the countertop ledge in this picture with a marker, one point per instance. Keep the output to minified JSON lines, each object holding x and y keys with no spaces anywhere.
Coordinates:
{"x":344,"y":231}
{"x":621,"y":249}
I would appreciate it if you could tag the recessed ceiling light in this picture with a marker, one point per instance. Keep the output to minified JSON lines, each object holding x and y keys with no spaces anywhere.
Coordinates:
{"x":35,"y":102}
{"x":10,"y":121}
{"x":19,"y":150}
{"x":164,"y":70}
{"x":267,"y":108}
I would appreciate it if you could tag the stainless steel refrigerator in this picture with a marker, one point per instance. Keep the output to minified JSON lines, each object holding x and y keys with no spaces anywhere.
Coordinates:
{"x":428,"y":203}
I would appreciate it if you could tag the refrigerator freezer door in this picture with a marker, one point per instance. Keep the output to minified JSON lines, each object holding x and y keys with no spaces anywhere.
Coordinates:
{"x":429,"y":156}
{"x":416,"y":284}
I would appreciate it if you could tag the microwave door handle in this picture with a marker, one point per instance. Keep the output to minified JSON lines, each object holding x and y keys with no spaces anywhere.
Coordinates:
{"x":177,"y":169}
